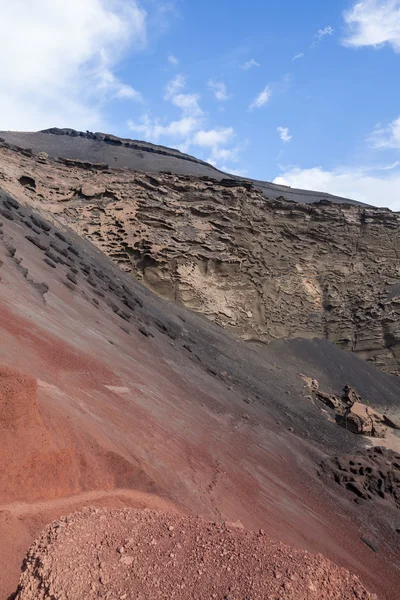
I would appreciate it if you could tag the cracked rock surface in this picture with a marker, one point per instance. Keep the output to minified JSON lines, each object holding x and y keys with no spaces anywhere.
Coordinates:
{"x":263,"y":268}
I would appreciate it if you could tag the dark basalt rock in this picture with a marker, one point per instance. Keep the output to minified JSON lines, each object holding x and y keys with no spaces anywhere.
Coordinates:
{"x":40,"y":223}
{"x":11,"y":202}
{"x":61,"y":237}
{"x":71,"y":276}
{"x":7,"y":214}
{"x":59,"y":249}
{"x":49,"y":262}
{"x":37,"y":242}
{"x":370,"y":474}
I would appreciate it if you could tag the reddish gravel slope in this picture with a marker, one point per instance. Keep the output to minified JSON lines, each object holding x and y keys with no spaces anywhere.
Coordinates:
{"x":148,"y":556}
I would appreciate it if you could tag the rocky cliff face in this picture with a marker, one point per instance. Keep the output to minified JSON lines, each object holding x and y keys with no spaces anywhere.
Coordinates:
{"x":262,"y":268}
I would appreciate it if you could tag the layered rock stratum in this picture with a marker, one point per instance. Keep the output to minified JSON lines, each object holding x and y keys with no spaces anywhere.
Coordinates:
{"x":260,"y":264}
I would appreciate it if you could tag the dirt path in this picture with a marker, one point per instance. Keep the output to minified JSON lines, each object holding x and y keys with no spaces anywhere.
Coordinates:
{"x":22,"y":522}
{"x":129,"y":497}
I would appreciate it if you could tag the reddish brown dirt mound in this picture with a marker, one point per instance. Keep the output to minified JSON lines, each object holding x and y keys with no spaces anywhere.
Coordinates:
{"x":371,"y":473}
{"x":124,"y":554}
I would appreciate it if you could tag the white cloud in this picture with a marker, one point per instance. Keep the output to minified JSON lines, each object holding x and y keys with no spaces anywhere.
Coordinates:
{"x":191,"y":118}
{"x":377,"y":186}
{"x":60,"y":60}
{"x":321,"y":33}
{"x":190,"y":129}
{"x":250,"y":64}
{"x":298,"y":56}
{"x":213,"y":137}
{"x":373,"y":23}
{"x":153,"y":129}
{"x":188,"y":103}
{"x":262,"y":98}
{"x":284,"y":134}
{"x":219,"y":90}
{"x":386,"y":137}
{"x":173,"y":60}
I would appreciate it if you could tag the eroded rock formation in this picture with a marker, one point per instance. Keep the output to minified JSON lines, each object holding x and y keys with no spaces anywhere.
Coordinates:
{"x":263,"y":269}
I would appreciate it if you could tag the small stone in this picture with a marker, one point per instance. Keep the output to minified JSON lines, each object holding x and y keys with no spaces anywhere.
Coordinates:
{"x":126,"y":560}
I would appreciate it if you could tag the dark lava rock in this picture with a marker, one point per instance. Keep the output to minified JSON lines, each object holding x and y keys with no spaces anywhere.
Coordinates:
{"x":52,"y":256}
{"x":39,"y":223}
{"x":11,"y":202}
{"x":124,"y":315}
{"x":145,"y":332}
{"x":91,"y":281}
{"x":37,"y":242}
{"x":49,"y":262}
{"x":7,"y":214}
{"x":74,"y":251}
{"x":59,"y":249}
{"x":370,"y":543}
{"x":61,"y":237}
{"x":71,"y":276}
{"x":372,"y":473}
{"x":69,"y":285}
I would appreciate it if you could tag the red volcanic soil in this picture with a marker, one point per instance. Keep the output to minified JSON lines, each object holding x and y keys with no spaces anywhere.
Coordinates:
{"x":149,"y":556}
{"x":36,"y":462}
{"x":103,"y":408}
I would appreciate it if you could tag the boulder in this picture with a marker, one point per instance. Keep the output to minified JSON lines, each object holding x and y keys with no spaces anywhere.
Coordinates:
{"x":362,"y":420}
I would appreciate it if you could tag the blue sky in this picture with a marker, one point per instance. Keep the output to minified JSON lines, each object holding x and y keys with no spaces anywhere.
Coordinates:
{"x":303,"y":93}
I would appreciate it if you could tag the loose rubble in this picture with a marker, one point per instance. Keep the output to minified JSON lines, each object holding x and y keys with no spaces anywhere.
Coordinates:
{"x":121,"y":554}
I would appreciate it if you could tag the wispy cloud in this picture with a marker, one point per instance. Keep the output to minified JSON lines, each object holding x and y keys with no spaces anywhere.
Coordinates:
{"x":262,"y":98}
{"x":173,"y":60}
{"x":284,"y":134}
{"x":219,"y":90}
{"x":298,"y":56}
{"x":373,"y":23}
{"x":250,"y":64}
{"x":321,"y":33}
{"x":386,"y":136}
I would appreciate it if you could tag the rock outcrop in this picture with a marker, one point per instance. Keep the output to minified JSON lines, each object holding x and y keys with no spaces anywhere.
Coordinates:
{"x":261,"y":268}
{"x":370,"y":474}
